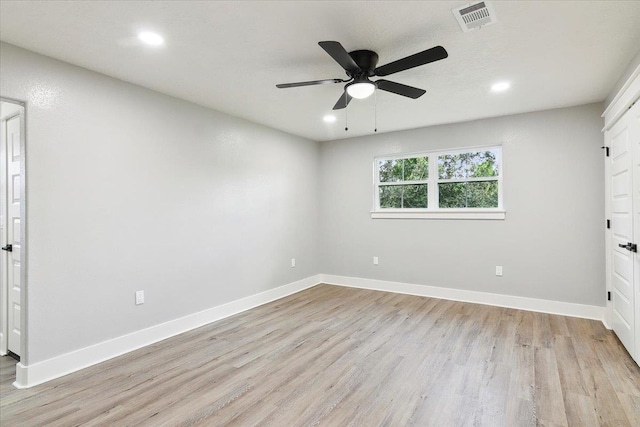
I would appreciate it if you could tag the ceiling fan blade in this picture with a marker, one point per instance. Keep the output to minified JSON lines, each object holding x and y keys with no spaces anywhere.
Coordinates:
{"x":430,"y":55}
{"x":400,"y":89}
{"x":343,"y":101}
{"x":340,"y":55}
{"x":311,"y":83}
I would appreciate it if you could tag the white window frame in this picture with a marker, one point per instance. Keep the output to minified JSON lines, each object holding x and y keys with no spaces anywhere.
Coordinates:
{"x":432,"y":181}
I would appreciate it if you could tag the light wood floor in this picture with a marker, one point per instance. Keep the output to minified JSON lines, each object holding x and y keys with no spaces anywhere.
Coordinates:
{"x":335,"y":356}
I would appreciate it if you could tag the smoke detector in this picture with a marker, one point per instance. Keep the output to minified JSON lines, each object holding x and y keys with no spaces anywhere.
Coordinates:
{"x":475,"y":15}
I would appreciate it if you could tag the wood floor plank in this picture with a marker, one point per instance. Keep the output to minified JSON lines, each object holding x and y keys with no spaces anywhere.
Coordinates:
{"x":569,"y":367}
{"x":550,"y":408}
{"x":334,"y":356}
{"x":580,"y":410}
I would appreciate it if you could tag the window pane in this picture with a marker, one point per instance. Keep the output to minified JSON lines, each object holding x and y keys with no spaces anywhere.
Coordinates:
{"x":413,"y":169}
{"x":403,"y":196}
{"x":480,"y":194}
{"x":416,"y":168}
{"x":414,"y":196}
{"x":390,"y":196}
{"x":469,"y":165}
{"x":390,"y":170}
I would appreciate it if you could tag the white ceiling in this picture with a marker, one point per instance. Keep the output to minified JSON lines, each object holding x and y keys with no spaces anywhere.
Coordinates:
{"x":230,"y":55}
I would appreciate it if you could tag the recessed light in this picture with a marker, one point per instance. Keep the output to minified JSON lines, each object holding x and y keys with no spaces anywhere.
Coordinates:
{"x":329,"y":118}
{"x":500,"y":87}
{"x":152,"y":39}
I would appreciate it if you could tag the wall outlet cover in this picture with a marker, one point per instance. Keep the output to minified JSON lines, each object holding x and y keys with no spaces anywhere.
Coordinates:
{"x":139,"y":297}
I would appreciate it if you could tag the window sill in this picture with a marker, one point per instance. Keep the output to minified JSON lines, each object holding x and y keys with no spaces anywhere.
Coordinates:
{"x":441,"y":214}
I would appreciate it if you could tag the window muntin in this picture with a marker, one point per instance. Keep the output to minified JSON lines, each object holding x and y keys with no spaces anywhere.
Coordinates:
{"x":461,"y":180}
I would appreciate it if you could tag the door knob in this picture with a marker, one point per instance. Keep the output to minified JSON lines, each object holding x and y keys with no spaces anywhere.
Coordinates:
{"x":8,"y":248}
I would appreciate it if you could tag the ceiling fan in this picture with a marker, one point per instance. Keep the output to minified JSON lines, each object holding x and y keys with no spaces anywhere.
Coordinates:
{"x":361,"y":64}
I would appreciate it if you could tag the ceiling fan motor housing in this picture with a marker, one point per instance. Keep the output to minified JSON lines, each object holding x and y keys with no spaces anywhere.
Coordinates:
{"x":367,"y":60}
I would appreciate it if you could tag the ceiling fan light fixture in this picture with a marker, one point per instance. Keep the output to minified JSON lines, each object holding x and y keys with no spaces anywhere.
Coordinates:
{"x":361,"y":90}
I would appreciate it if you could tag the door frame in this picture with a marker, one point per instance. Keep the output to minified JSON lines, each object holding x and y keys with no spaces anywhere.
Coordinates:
{"x":626,"y":97}
{"x":23,"y":249}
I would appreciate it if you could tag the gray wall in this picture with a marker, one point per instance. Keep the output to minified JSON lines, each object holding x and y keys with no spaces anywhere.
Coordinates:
{"x":129,"y":189}
{"x":551,"y":244}
{"x":633,"y":64}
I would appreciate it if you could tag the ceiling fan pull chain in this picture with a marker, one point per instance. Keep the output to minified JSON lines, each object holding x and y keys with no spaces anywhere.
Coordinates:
{"x":346,"y":116}
{"x":375,"y":111}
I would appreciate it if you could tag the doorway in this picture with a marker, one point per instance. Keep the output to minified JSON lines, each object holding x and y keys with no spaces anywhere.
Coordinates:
{"x":12,"y":190}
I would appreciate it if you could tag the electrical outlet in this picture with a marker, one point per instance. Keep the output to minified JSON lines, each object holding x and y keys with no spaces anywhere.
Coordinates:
{"x":139,"y":297}
{"x":375,"y":260}
{"x":293,"y":262}
{"x":498,"y":270}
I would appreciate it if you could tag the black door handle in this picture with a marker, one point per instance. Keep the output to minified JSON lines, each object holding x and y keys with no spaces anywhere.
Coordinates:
{"x":8,"y":248}
{"x":631,"y":247}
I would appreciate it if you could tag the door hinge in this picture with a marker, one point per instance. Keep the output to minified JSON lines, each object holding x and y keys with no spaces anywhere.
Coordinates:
{"x":608,"y":296}
{"x":606,"y":150}
{"x":608,"y":223}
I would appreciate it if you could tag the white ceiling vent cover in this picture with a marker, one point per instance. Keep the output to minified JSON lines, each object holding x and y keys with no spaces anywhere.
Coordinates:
{"x":475,"y":15}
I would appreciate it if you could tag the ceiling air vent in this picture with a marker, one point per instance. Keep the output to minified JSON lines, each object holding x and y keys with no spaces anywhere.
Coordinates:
{"x":475,"y":15}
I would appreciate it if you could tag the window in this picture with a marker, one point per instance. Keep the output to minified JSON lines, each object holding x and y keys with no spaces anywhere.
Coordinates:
{"x":464,"y":183}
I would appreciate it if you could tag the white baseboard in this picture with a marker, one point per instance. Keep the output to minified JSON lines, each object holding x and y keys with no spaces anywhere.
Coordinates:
{"x":38,"y":373}
{"x":509,"y":301}
{"x":3,"y":345}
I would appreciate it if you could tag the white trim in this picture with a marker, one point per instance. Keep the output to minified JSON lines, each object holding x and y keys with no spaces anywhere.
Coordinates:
{"x":608,"y":318}
{"x":4,"y":291}
{"x":38,"y":373}
{"x":416,"y":182}
{"x":509,"y":301}
{"x":626,"y":96}
{"x":480,"y":179}
{"x":440,"y":214}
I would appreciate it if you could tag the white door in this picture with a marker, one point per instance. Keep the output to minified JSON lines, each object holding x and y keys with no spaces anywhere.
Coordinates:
{"x":622,"y":225}
{"x":632,"y":117}
{"x":13,"y":181}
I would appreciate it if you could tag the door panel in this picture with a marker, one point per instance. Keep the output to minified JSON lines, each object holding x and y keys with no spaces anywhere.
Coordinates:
{"x":13,"y":232}
{"x":622,"y":195}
